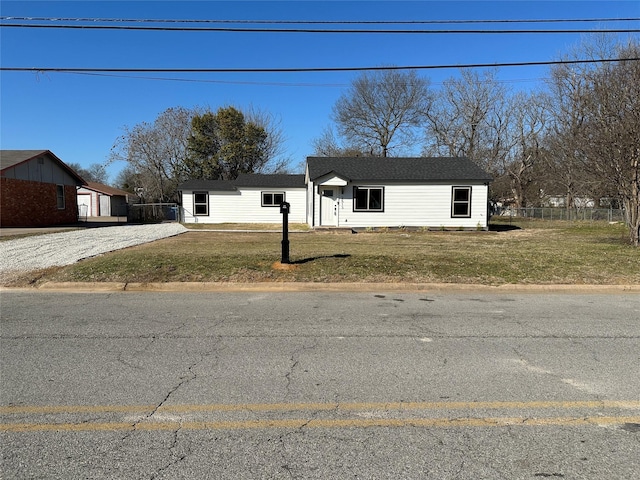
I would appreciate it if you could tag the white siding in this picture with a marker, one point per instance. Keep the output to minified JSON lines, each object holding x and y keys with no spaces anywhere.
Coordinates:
{"x":413,"y":206}
{"x":245,"y":206}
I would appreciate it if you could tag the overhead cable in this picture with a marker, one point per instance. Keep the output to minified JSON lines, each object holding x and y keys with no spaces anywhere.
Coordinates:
{"x":260,"y":83}
{"x":318,"y":30}
{"x":310,"y":69}
{"x":319,"y":22}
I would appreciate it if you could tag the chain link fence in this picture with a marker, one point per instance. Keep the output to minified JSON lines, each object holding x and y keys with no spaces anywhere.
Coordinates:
{"x":554,"y":213}
{"x":153,"y":213}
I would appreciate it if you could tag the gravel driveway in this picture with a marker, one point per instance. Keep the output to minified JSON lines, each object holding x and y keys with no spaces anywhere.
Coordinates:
{"x":65,"y":248}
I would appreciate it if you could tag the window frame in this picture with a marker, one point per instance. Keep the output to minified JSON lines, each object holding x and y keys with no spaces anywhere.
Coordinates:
{"x":273,"y":194}
{"x":466,"y":202}
{"x":368,"y":189}
{"x":60,"y":197}
{"x":196,"y":204}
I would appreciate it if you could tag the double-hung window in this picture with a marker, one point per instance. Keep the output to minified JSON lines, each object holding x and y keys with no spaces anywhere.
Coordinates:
{"x":461,"y":202}
{"x":272,"y":199}
{"x":368,"y":199}
{"x":60,"y":197}
{"x":200,"y":203}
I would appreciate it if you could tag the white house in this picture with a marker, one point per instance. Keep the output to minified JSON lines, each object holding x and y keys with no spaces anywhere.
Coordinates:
{"x":251,"y":198}
{"x":390,"y":192}
{"x":356,"y":192}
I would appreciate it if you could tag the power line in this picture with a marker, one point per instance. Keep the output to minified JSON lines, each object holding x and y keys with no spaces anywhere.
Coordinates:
{"x":308,"y":70}
{"x":320,"y":22}
{"x":260,"y":83}
{"x":319,"y":30}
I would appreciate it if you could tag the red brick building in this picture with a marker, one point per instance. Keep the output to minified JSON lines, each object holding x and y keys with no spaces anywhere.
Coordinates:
{"x":36,"y":189}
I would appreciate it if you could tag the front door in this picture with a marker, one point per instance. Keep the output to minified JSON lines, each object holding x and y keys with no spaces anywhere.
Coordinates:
{"x":328,"y":207}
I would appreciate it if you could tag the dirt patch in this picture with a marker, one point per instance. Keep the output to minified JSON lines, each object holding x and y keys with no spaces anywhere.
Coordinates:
{"x":283,"y":266}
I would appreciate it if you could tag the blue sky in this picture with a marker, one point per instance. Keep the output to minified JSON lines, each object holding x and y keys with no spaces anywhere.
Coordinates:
{"x":79,"y":116}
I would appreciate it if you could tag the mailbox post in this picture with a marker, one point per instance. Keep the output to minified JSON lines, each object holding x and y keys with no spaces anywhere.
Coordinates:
{"x":284,"y":210}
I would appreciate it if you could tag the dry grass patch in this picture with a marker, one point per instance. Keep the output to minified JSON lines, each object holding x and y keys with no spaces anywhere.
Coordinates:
{"x":561,"y":253}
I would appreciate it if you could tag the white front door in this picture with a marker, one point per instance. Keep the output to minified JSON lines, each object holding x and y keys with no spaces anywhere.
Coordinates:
{"x":328,"y":207}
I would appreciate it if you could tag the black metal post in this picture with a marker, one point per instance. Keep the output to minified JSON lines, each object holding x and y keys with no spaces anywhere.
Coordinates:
{"x":284,"y":209}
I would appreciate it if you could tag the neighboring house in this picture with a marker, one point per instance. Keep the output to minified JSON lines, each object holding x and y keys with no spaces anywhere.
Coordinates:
{"x":36,"y":189}
{"x":392,"y":192}
{"x":251,"y":198}
{"x":99,"y":200}
{"x":356,"y":192}
{"x":561,"y":201}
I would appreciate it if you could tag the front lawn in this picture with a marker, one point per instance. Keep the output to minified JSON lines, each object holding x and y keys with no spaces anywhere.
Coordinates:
{"x":525,"y":252}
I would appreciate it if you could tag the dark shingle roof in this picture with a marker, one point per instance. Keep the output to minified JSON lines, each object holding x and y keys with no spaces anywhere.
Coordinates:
{"x":208,"y":185}
{"x":269,"y":180}
{"x":246,"y":180}
{"x":397,"y":169}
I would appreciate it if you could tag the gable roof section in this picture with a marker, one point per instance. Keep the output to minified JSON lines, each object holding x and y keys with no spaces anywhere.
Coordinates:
{"x":11,"y":158}
{"x":409,"y":169}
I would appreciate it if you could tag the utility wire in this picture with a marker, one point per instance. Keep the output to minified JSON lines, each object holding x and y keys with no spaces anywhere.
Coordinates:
{"x":262,"y":83}
{"x":319,"y":22}
{"x":317,"y":30}
{"x":308,"y":70}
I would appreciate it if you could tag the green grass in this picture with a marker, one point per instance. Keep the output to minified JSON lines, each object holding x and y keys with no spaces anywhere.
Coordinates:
{"x":539,"y":252}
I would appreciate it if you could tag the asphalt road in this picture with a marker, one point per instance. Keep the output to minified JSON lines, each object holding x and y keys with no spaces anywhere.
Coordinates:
{"x":319,"y":385}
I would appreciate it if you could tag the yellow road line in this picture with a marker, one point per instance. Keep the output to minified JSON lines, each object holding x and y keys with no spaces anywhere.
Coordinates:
{"x":291,"y":407}
{"x":319,"y":423}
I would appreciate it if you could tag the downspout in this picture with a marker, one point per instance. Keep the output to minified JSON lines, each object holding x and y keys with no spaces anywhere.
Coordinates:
{"x":313,"y":205}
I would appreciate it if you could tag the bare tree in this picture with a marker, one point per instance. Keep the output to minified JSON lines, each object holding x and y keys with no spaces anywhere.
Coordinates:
{"x":156,"y":152}
{"x":597,"y":122}
{"x":381,"y":111}
{"x":469,"y":118}
{"x":566,"y":107}
{"x":96,"y":172}
{"x":327,"y":145}
{"x":611,"y":134}
{"x":527,"y":131}
{"x":276,"y":161}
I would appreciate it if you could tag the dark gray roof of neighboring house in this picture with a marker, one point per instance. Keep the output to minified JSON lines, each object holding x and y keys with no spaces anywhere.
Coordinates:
{"x":397,"y":169}
{"x":246,"y":180}
{"x":11,"y":158}
{"x":276,"y":180}
{"x":207,"y":185}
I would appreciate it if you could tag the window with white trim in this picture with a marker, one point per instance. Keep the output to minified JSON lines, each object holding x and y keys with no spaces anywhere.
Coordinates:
{"x":368,"y":199}
{"x":60,"y":197}
{"x":272,"y":199}
{"x":461,"y":202}
{"x":201,"y":203}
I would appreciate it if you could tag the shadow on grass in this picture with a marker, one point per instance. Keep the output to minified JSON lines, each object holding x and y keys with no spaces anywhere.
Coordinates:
{"x":501,"y":227}
{"x":311,"y":259}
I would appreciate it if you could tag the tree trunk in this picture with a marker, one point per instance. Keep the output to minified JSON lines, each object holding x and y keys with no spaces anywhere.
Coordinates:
{"x":632,"y":209}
